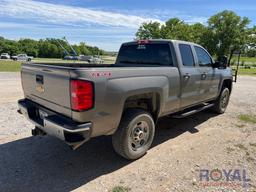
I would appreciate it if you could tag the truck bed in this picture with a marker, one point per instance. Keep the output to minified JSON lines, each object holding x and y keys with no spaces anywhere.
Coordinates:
{"x":56,"y":77}
{"x":76,"y":65}
{"x":86,"y":65}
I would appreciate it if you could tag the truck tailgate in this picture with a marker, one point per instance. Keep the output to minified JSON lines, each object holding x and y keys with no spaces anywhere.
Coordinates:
{"x":47,"y":86}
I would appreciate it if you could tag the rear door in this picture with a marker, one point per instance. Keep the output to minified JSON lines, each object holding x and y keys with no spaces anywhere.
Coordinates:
{"x":190,"y":77}
{"x":47,"y":86}
{"x":209,"y":76}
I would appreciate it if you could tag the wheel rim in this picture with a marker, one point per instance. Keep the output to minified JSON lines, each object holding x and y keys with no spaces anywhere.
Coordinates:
{"x":139,"y":136}
{"x":224,"y":100}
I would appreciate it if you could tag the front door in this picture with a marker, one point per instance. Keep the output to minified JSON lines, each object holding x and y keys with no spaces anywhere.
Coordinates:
{"x":209,"y":76}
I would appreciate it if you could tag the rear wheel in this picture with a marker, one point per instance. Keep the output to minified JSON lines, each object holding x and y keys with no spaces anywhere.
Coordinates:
{"x":134,"y":135}
{"x":222,"y":101}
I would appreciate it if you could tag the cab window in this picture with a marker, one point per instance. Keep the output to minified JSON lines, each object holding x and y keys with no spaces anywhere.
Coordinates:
{"x":147,"y":54}
{"x":203,"y":57}
{"x":186,"y":55}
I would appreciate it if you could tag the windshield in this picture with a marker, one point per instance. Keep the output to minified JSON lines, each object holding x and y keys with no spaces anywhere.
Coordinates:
{"x":148,"y":54}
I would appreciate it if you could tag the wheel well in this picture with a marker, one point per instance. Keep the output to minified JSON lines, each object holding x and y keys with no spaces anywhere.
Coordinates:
{"x":147,"y":101}
{"x":227,"y":83}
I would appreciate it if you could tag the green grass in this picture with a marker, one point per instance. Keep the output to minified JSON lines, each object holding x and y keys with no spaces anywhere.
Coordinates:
{"x":251,"y":71}
{"x":109,"y":59}
{"x":14,"y":66}
{"x":10,"y":66}
{"x":120,"y":189}
{"x":53,"y":60}
{"x":247,"y":118}
{"x":248,"y":59}
{"x":242,"y":71}
{"x":47,"y":60}
{"x":244,"y":59}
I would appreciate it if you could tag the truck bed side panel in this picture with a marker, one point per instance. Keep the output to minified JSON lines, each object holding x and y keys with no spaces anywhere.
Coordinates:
{"x":111,"y":93}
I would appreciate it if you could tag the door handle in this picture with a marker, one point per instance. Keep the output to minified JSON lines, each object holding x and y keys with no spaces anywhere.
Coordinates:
{"x":186,"y":76}
{"x":39,"y":79}
{"x":203,"y":76}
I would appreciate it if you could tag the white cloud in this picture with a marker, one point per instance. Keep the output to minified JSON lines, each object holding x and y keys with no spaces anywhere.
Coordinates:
{"x":104,"y":28}
{"x":165,"y":14}
{"x":191,"y":20}
{"x":67,"y":15}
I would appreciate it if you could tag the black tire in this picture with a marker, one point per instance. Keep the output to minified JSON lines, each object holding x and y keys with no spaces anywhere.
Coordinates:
{"x":29,"y":60}
{"x":221,"y":103}
{"x":137,"y":127}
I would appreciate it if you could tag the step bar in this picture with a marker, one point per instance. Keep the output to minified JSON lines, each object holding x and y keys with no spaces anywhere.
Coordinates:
{"x":187,"y":113}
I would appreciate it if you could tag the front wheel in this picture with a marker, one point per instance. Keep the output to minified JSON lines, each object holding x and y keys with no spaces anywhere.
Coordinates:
{"x":134,"y":135}
{"x":222,"y":102}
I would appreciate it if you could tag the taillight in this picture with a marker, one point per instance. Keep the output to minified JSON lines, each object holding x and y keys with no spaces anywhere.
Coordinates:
{"x":82,"y":95}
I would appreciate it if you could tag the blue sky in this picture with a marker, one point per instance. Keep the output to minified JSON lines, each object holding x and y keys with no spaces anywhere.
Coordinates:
{"x":104,"y":23}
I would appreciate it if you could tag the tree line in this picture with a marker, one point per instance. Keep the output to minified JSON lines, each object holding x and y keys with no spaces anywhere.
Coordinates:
{"x":225,"y":33}
{"x":45,"y":48}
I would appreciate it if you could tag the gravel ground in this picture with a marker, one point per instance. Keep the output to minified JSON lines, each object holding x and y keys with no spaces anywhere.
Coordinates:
{"x":180,"y":150}
{"x":10,"y":87}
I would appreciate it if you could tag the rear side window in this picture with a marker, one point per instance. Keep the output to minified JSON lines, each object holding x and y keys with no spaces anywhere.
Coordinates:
{"x":148,"y":54}
{"x":186,"y":55}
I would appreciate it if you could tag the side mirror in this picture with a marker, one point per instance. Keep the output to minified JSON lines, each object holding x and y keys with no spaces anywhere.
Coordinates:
{"x":216,"y":64}
{"x":222,"y":62}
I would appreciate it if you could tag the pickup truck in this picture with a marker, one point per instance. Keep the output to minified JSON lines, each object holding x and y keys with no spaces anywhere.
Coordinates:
{"x":22,"y":57}
{"x":150,"y":79}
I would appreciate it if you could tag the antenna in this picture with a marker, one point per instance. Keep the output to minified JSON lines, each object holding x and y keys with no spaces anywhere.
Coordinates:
{"x":74,"y":52}
{"x":65,"y":50}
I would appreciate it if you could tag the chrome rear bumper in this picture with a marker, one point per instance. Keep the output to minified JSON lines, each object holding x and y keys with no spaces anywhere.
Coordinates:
{"x":73,"y":133}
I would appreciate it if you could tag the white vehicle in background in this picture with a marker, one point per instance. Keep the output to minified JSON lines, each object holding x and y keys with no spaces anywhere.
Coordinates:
{"x":85,"y":58}
{"x":5,"y":56}
{"x":22,"y":57}
{"x":96,"y":59}
{"x":90,"y":59}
